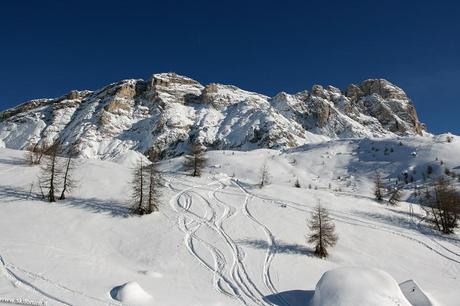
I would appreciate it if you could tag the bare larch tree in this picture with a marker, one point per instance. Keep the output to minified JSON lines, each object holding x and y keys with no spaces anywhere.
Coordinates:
{"x":155,"y":184}
{"x":50,"y":173}
{"x":33,"y":154}
{"x":442,"y":205}
{"x":196,"y":160}
{"x":69,"y":182}
{"x":264,"y":174}
{"x":378,"y":187}
{"x":322,"y":231}
{"x":139,"y":190}
{"x":395,"y":195}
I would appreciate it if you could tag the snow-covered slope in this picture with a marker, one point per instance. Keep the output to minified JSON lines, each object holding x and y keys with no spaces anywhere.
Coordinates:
{"x":169,"y":111}
{"x":218,"y":239}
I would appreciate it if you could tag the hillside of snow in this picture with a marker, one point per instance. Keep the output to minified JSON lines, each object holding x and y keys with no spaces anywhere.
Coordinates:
{"x":168,"y":112}
{"x":221,"y":240}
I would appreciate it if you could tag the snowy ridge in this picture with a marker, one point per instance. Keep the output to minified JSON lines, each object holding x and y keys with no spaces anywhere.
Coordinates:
{"x":167,"y":112}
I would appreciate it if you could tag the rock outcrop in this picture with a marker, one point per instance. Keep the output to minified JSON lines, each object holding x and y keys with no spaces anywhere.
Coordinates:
{"x":168,"y":112}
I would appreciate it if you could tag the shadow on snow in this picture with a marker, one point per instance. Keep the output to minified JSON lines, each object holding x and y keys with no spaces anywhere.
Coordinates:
{"x":291,"y":297}
{"x":278,"y":247}
{"x":94,"y":205}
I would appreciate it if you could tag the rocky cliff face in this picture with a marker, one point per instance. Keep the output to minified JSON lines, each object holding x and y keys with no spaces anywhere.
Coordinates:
{"x":168,"y":112}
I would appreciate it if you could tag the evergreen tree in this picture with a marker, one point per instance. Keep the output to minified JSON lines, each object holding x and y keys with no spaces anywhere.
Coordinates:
{"x":297,"y":183}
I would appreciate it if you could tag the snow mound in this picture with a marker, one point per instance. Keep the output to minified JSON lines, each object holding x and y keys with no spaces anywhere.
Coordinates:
{"x":358,"y":287}
{"x":415,"y":294}
{"x":132,"y":294}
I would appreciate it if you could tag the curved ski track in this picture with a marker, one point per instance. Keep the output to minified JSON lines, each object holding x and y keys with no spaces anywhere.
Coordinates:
{"x":231,"y":279}
{"x":6,"y":269}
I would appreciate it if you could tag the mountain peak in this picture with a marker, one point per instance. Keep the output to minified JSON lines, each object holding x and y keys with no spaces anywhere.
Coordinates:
{"x":169,"y":111}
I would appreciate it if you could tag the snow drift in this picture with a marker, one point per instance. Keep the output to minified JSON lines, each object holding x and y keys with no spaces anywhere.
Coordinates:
{"x":132,"y":294}
{"x":358,"y":287}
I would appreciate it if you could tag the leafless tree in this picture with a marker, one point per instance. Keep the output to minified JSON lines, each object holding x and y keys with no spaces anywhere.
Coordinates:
{"x":196,"y":160}
{"x":155,"y":184}
{"x":322,"y":231}
{"x":442,"y":205}
{"x":68,"y":181}
{"x":139,"y":188}
{"x":395,"y":195}
{"x":33,"y":155}
{"x":50,"y":174}
{"x":264,"y":175}
{"x":378,"y":187}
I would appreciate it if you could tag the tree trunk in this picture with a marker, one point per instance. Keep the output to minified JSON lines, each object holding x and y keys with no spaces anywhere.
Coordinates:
{"x":64,"y":188}
{"x":53,"y":170}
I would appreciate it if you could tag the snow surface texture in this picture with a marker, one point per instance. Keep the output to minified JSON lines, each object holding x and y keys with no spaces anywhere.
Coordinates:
{"x":169,"y":111}
{"x":219,"y":240}
{"x":358,"y":287}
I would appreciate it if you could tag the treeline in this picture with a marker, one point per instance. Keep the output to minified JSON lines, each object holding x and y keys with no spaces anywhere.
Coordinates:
{"x":438,"y":197}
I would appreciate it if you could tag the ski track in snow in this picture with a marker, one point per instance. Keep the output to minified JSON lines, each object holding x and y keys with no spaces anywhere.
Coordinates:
{"x":353,"y":220}
{"x":271,"y":250}
{"x":234,"y":276}
{"x":349,"y":218}
{"x":7,"y":270}
{"x":20,"y":282}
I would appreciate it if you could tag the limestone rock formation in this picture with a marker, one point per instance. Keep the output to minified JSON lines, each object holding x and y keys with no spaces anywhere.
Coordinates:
{"x":167,"y":112}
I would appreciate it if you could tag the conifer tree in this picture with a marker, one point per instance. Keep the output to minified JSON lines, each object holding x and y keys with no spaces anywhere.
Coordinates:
{"x":378,"y":187}
{"x":442,"y":205}
{"x":265,"y":176}
{"x":33,"y":154}
{"x":139,"y":188}
{"x":322,"y":231}
{"x":155,"y":184}
{"x":196,"y":160}
{"x":68,"y":180}
{"x":395,"y":195}
{"x":50,"y":174}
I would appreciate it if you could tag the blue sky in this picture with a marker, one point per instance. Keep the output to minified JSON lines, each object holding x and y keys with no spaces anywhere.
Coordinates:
{"x":48,"y":48}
